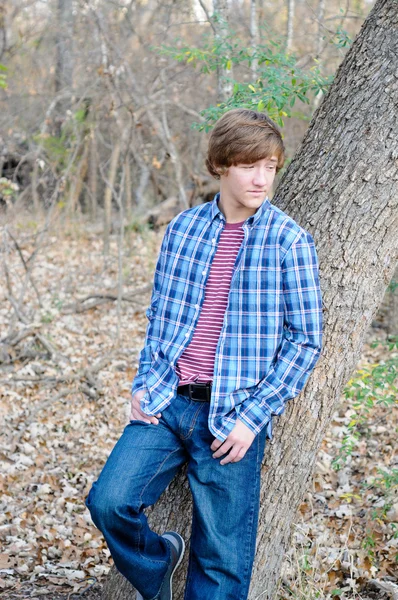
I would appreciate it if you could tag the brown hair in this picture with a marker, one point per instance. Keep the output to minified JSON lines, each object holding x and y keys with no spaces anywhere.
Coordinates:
{"x":243,"y":136}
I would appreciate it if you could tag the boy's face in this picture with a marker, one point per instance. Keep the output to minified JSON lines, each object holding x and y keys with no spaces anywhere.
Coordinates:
{"x":244,"y":186}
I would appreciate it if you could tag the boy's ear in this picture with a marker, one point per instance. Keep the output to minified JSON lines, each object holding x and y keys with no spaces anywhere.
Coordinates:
{"x":221,"y":169}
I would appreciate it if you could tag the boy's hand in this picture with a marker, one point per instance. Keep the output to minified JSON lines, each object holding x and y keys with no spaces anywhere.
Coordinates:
{"x":136,"y":413}
{"x":238,"y":442}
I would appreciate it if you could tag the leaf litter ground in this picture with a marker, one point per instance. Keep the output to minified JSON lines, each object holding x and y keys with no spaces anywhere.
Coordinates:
{"x":65,"y":383}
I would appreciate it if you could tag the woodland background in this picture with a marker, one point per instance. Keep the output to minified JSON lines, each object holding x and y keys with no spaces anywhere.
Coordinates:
{"x":105,"y":108}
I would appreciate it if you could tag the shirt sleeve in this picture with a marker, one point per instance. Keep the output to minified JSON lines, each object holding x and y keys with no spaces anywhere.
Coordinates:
{"x":145,"y":356}
{"x":302,"y":338}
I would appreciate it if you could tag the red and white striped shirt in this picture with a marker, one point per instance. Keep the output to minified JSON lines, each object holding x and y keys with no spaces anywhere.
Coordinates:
{"x":197,"y":361}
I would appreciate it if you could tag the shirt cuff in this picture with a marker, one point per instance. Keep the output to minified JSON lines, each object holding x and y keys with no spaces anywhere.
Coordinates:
{"x":256,"y":418}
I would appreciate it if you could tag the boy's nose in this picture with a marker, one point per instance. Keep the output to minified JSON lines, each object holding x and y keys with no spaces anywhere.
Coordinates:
{"x":259,"y":178}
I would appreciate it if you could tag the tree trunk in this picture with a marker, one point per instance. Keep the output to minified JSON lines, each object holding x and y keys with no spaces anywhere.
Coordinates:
{"x":343,"y":187}
{"x":77,"y":180}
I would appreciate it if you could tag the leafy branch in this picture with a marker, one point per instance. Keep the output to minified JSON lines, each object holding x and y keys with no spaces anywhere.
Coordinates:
{"x":279,"y":83}
{"x":372,"y":386}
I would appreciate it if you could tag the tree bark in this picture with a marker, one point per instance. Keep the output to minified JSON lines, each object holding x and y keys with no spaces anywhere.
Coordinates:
{"x":342,"y":186}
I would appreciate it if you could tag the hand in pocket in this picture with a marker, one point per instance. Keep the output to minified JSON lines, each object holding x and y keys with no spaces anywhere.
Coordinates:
{"x":136,"y":413}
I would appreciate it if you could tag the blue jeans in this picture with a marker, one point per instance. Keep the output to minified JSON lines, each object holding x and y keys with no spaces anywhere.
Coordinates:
{"x":225,"y":504}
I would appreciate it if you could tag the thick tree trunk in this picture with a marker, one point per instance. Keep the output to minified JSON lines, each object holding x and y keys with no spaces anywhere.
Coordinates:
{"x":343,"y":187}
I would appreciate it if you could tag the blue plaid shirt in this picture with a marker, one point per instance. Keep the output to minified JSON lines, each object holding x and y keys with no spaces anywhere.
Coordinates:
{"x":272,"y":331}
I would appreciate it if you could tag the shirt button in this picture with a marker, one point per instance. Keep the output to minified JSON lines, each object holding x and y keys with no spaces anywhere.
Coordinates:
{"x":213,"y":241}
{"x":187,"y":334}
{"x":204,"y":272}
{"x":172,"y":363}
{"x":197,"y":306}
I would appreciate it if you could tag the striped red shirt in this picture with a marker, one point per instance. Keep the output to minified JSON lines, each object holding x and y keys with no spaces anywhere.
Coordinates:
{"x":197,"y":361}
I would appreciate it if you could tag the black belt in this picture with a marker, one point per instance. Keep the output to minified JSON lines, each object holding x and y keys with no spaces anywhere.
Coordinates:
{"x":196,"y":391}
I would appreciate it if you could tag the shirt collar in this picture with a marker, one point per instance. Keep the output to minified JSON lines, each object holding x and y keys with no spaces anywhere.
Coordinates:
{"x":252,"y":220}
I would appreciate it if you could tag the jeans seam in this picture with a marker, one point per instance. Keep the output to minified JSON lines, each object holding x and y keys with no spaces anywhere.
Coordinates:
{"x":182,"y":417}
{"x":193,"y":423}
{"x":140,"y":499}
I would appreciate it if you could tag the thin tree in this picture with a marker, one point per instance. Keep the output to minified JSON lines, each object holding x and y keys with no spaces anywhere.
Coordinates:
{"x":342,"y":186}
{"x":219,"y":22}
{"x":291,"y":5}
{"x":64,"y":54}
{"x":320,"y":31}
{"x":253,"y":36}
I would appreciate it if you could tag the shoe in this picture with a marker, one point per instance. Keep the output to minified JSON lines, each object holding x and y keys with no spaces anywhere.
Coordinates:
{"x":177,"y":547}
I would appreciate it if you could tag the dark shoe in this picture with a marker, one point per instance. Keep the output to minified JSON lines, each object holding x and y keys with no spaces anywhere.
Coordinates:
{"x":177,"y":547}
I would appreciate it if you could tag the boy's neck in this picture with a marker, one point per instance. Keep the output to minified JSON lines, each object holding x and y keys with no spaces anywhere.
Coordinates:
{"x":233,"y":214}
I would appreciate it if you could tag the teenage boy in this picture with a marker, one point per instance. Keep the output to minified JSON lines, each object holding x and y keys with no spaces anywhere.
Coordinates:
{"x":235,"y":329}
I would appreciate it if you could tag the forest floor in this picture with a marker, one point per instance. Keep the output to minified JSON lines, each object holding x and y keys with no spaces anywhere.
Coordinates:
{"x":68,"y":357}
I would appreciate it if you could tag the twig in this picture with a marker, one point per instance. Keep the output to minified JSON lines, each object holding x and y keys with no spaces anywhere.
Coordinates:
{"x":14,"y":338}
{"x":102,"y":298}
{"x":27,"y":270}
{"x":386,"y":586}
